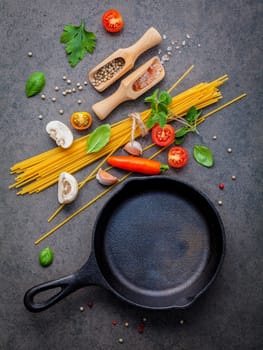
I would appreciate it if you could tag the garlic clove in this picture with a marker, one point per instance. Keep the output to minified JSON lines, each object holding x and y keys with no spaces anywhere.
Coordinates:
{"x":60,"y":133}
{"x":134,"y":148}
{"x":105,"y":178}
{"x":67,"y":188}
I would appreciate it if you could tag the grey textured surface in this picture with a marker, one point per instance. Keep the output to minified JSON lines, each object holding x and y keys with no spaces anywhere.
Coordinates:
{"x":226,"y":38}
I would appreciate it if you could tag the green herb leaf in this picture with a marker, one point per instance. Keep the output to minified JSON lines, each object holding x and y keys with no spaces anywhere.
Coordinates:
{"x":46,"y":257}
{"x":165,"y":97}
{"x":159,"y":108}
{"x":192,"y":115}
{"x":203,"y":156}
{"x":98,"y":138}
{"x":162,"y":119}
{"x":78,"y":42}
{"x":181,"y":132}
{"x":179,"y":140}
{"x":153,"y":97}
{"x":35,"y":83}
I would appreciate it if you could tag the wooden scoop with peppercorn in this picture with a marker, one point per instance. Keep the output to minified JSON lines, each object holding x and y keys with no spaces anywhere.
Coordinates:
{"x":133,"y":86}
{"x":121,"y":61}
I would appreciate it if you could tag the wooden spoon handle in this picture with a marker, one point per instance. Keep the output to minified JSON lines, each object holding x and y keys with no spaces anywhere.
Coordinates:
{"x":149,"y":39}
{"x":103,"y":108}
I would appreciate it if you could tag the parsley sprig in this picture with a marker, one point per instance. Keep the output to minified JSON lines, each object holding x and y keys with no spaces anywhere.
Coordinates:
{"x":77,"y":42}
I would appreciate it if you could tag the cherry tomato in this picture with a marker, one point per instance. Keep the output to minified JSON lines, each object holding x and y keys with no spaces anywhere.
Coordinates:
{"x":163,"y":136}
{"x":81,"y":120}
{"x":112,"y":21}
{"x":177,"y":157}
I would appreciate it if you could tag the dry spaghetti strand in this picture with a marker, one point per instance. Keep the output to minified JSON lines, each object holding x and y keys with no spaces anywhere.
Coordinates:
{"x":41,"y":171}
{"x":85,"y":206}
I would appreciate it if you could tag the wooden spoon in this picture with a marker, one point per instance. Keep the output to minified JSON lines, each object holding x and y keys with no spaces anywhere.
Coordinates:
{"x":133,"y":86}
{"x":126,"y":57}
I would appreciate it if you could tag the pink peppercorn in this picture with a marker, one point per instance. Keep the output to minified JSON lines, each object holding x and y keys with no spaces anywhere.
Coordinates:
{"x":221,"y":186}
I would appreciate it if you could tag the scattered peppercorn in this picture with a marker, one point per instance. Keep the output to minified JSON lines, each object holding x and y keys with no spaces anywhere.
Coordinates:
{"x":90,"y":304}
{"x":114,"y":323}
{"x":221,"y":186}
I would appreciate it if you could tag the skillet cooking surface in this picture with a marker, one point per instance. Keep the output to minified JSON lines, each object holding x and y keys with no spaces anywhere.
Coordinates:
{"x":158,"y":242}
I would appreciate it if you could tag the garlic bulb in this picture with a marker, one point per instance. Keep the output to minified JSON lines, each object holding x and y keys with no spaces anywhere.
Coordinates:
{"x":59,"y":132}
{"x":134,"y":148}
{"x":67,"y":188}
{"x":105,"y":178}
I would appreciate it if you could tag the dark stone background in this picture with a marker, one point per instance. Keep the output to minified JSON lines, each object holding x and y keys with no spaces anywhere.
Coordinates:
{"x":226,"y":38}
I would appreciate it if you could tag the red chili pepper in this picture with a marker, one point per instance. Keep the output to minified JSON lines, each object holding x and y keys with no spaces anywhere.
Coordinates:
{"x":137,"y":164}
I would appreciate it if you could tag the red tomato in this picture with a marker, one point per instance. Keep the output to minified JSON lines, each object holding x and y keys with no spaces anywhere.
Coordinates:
{"x":112,"y":21}
{"x":163,"y":136}
{"x":177,"y":157}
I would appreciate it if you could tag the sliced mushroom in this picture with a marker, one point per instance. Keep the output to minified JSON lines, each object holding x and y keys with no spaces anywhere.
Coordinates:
{"x":134,"y":148}
{"x":67,"y":188}
{"x":59,"y":132}
{"x":105,"y":178}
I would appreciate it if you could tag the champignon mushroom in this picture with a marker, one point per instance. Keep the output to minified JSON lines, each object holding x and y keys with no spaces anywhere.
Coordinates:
{"x":60,"y":133}
{"x":67,"y":188}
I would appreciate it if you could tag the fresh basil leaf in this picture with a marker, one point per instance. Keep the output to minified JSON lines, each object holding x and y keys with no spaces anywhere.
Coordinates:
{"x":181,"y":132}
{"x":46,"y":257}
{"x":98,"y":138}
{"x":162,"y":119}
{"x":153,"y":97}
{"x":165,"y":97}
{"x":35,"y":83}
{"x":192,"y":115}
{"x":154,"y":119}
{"x":203,"y":156}
{"x":163,"y":108}
{"x":179,"y":140}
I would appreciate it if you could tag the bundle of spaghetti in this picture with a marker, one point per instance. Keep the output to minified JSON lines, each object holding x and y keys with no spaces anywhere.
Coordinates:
{"x":42,"y":171}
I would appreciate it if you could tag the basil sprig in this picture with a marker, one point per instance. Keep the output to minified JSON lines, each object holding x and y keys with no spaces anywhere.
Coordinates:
{"x":159,"y":108}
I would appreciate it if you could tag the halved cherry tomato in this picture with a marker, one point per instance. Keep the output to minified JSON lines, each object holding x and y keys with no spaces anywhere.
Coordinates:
{"x":81,"y":120}
{"x":177,"y":157}
{"x":163,"y":136}
{"x":112,"y":21}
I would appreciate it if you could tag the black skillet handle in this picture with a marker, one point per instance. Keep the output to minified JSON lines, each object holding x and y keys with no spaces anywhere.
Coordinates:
{"x":66,"y":285}
{"x":89,"y":274}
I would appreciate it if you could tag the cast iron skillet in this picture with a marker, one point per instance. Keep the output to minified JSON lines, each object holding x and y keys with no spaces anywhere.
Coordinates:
{"x":157,"y":243}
